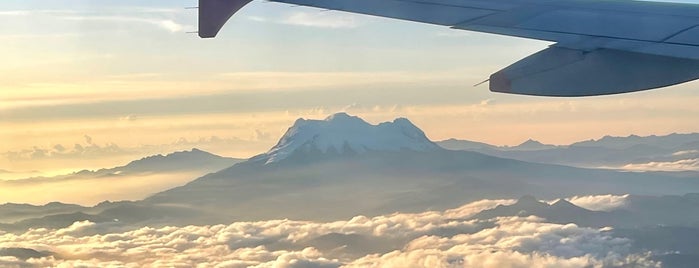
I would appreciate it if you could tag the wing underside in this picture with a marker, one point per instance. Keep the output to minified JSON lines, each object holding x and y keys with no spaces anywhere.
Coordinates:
{"x":613,"y":46}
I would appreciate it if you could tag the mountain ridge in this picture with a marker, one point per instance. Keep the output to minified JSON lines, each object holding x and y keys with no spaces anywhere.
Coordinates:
{"x":625,"y":153}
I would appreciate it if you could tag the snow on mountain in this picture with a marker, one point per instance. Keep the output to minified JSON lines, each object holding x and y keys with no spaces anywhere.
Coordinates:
{"x":342,"y":133}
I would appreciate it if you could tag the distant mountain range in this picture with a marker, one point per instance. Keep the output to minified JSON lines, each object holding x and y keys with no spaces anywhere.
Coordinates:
{"x":193,"y":160}
{"x":674,"y":152}
{"x":342,"y":166}
{"x":178,"y":168}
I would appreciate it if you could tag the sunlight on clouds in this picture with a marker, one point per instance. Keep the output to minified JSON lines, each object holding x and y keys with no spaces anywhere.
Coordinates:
{"x":22,"y":92}
{"x":600,"y":202}
{"x":401,"y":240}
{"x":334,"y":80}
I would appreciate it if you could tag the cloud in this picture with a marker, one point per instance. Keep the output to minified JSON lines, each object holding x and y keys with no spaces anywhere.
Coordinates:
{"x":353,"y":107}
{"x":600,"y":202}
{"x":679,"y":165}
{"x":687,"y":152}
{"x":130,"y":117}
{"x":260,"y":135}
{"x":407,"y":240}
{"x":257,"y":18}
{"x":144,"y":15}
{"x":59,"y":151}
{"x":14,"y":13}
{"x":487,"y":102}
{"x":322,"y":20}
{"x":166,"y":24}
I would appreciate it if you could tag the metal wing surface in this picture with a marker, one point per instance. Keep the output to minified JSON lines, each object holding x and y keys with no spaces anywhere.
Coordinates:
{"x":600,"y":46}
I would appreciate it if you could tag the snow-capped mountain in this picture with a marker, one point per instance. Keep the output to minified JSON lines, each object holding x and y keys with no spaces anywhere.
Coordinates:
{"x":343,"y":166}
{"x":342,"y":133}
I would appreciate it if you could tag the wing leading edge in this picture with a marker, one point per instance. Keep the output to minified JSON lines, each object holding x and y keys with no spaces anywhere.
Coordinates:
{"x":601,"y":46}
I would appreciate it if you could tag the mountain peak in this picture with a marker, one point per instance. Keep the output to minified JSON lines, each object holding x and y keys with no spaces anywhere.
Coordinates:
{"x":344,"y":133}
{"x":531,"y":142}
{"x":532,"y":145}
{"x":563,"y":203}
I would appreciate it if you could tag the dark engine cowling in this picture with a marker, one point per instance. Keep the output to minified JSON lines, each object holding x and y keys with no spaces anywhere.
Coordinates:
{"x":563,"y":72}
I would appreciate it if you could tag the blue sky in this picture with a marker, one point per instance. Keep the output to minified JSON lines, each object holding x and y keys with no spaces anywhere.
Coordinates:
{"x":127,"y":75}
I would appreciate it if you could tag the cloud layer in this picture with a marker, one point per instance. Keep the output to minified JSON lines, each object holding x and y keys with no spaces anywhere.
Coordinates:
{"x":679,"y":165}
{"x":430,"y":239}
{"x":600,"y":202}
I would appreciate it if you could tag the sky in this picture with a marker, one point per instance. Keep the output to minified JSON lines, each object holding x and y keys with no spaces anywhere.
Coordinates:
{"x":90,"y":84}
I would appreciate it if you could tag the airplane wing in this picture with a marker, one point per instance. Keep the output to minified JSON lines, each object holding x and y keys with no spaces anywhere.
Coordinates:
{"x":601,"y":46}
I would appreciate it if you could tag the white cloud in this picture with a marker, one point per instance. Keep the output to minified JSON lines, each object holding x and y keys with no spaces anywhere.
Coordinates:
{"x":14,"y":13}
{"x":681,"y":153}
{"x":88,"y":149}
{"x":679,"y":165}
{"x":473,"y":208}
{"x":487,"y":102}
{"x":257,"y":18}
{"x":600,"y":202}
{"x":157,"y":17}
{"x":322,"y":20}
{"x":502,"y":242}
{"x":166,"y":24}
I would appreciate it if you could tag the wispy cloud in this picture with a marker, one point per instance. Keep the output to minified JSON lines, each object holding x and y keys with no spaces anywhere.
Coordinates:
{"x":322,"y":20}
{"x":600,"y":202}
{"x":679,"y":165}
{"x":15,"y":13}
{"x":166,"y":24}
{"x":161,"y":18}
{"x":76,"y":151}
{"x":687,"y":152}
{"x":328,"y":19}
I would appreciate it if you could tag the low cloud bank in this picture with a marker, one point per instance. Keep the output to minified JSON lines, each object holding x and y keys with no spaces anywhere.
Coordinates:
{"x":600,"y":202}
{"x":679,"y":165}
{"x":429,"y":239}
